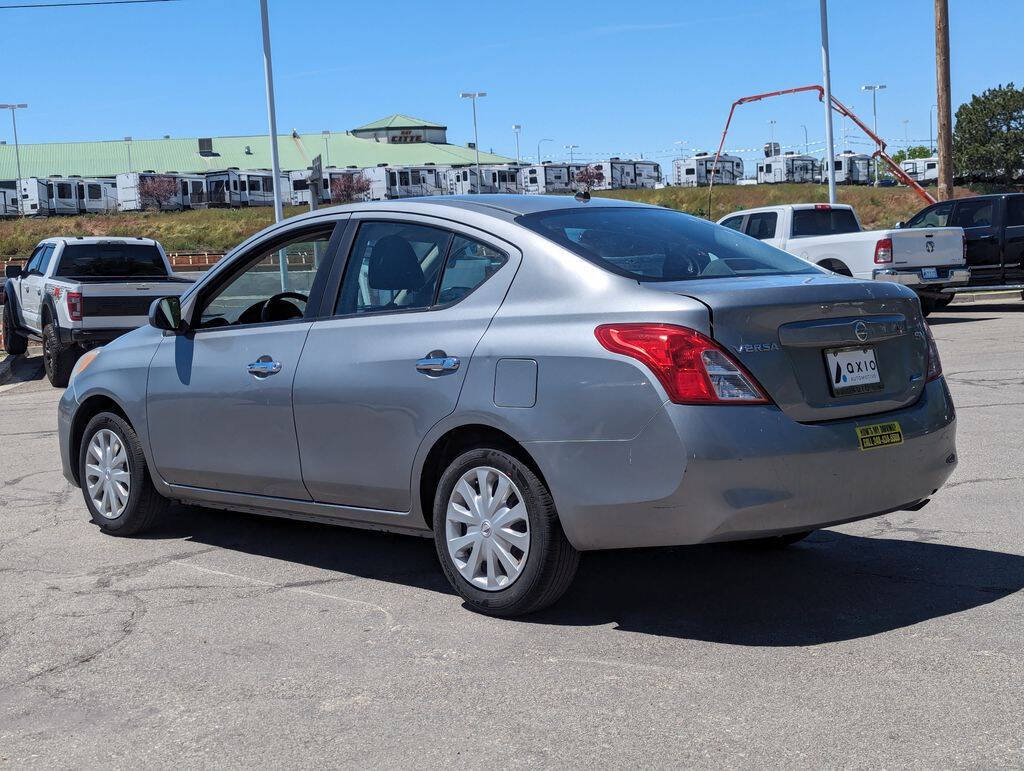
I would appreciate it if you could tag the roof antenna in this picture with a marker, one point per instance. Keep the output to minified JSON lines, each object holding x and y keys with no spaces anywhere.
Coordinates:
{"x":582,"y":195}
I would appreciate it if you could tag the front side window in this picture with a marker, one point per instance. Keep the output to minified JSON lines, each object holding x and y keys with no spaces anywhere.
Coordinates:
{"x":973,"y":214}
{"x":935,"y":217}
{"x":44,"y":259}
{"x":652,"y":244}
{"x":393,"y":266}
{"x":736,"y":223}
{"x":33,"y":262}
{"x":260,"y":293}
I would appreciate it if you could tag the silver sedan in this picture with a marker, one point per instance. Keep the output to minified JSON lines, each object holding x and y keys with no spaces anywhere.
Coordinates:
{"x":522,"y":379}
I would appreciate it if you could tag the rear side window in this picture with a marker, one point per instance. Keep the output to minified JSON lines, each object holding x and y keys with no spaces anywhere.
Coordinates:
{"x":652,"y":244}
{"x":470,"y":263}
{"x":1015,"y":210}
{"x":935,"y":217}
{"x":762,"y":225}
{"x":973,"y":214}
{"x":111,"y":260}
{"x":823,"y":222}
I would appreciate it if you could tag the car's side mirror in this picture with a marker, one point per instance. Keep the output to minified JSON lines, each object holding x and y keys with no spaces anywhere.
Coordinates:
{"x":13,"y":270}
{"x":165,"y":314}
{"x":901,"y":224}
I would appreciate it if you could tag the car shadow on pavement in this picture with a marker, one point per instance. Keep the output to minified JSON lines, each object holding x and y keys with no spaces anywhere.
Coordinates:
{"x":830,"y":587}
{"x":936,"y":320}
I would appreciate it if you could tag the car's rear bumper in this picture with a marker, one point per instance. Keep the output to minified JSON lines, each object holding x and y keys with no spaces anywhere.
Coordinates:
{"x":92,"y":336}
{"x":700,"y":474}
{"x":922,"y":278}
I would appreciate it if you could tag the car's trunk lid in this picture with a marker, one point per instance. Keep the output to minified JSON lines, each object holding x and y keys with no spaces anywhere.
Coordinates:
{"x":780,"y":328}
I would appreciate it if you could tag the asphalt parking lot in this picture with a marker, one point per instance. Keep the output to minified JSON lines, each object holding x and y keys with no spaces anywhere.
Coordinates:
{"x":232,"y":640}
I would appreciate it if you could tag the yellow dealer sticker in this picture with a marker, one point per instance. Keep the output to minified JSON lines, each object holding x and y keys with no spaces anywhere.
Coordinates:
{"x":879,"y":435}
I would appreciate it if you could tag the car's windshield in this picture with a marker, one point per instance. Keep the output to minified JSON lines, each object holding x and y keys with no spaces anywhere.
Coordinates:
{"x":649,"y":244}
{"x":111,"y":260}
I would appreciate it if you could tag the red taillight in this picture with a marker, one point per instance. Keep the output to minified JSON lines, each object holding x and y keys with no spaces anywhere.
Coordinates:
{"x":883,"y":251}
{"x":934,"y":362}
{"x":74,"y":301}
{"x":692,"y":368}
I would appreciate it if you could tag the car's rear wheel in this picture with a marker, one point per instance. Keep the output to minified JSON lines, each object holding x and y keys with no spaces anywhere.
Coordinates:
{"x":114,"y":479}
{"x":14,"y":342}
{"x":942,"y":302}
{"x":58,"y":359}
{"x":498,"y":537}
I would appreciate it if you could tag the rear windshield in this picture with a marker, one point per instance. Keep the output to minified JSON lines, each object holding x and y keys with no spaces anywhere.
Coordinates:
{"x":823,"y":222}
{"x":649,"y":244}
{"x":111,"y":260}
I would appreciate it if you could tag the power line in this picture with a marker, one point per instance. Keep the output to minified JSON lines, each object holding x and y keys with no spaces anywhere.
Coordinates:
{"x":81,"y":3}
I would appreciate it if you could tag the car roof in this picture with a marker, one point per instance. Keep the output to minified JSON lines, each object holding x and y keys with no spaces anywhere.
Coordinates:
{"x":97,"y":240}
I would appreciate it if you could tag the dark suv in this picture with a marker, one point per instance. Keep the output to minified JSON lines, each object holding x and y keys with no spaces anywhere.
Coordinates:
{"x":994,"y":227}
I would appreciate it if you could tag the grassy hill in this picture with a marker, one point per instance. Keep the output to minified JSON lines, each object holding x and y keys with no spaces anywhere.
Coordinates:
{"x":217,"y":230}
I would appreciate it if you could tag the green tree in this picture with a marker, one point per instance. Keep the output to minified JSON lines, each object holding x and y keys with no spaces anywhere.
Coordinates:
{"x":988,"y":142}
{"x":916,"y":151}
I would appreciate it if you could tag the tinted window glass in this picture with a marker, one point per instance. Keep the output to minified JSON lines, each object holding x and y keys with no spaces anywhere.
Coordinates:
{"x":973,"y":214}
{"x":393,"y":266}
{"x":469,"y":264}
{"x":94,"y":193}
{"x":33,"y":260}
{"x":1015,"y":210}
{"x":63,"y":190}
{"x":44,"y":259}
{"x":108,"y":260}
{"x":243,"y":300}
{"x":762,"y":225}
{"x":823,"y":222}
{"x":733,"y":222}
{"x":935,"y":217}
{"x":650,"y":244}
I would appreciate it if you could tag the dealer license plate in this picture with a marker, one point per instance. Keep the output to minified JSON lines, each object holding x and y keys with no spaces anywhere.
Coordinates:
{"x":852,"y":370}
{"x":929,"y":273}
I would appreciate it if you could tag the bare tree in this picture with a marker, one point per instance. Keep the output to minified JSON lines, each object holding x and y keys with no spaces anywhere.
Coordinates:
{"x":157,"y":192}
{"x":588,"y":177}
{"x":349,"y":187}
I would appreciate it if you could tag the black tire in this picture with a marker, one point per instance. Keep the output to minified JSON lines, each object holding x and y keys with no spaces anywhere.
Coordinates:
{"x":15,"y":343}
{"x":551,"y":560}
{"x":942,"y":302}
{"x":836,"y":267}
{"x":145,"y":505}
{"x":58,"y":359}
{"x":927,"y":305}
{"x":778,"y":541}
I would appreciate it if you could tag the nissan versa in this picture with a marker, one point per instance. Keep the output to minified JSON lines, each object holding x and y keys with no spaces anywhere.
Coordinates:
{"x":523,"y":378}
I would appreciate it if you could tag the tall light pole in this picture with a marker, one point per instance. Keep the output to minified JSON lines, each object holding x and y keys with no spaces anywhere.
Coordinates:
{"x":275,"y":160}
{"x":327,"y":148}
{"x":944,"y":111}
{"x":806,"y":145}
{"x":874,"y":89}
{"x":570,"y":148}
{"x":128,"y":144}
{"x":516,"y":128}
{"x":771,"y":134}
{"x":17,"y":152}
{"x":906,"y":140}
{"x":474,"y":95}
{"x":538,"y":148}
{"x":830,"y":146}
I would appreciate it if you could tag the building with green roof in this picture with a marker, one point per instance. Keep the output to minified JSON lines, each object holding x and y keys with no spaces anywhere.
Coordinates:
{"x":397,"y":140}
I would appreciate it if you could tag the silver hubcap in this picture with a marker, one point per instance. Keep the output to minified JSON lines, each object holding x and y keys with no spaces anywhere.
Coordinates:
{"x":487,"y":529}
{"x":107,"y":476}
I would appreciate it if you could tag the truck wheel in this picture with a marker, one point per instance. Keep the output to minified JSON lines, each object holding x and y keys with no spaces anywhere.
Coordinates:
{"x":115,"y":481}
{"x":942,"y":302}
{"x":15,"y":343}
{"x":927,"y":305}
{"x":498,"y":537}
{"x":58,"y":360}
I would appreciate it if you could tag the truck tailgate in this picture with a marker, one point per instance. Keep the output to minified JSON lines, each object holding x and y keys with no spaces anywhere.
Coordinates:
{"x":107,"y":304}
{"x":927,"y":247}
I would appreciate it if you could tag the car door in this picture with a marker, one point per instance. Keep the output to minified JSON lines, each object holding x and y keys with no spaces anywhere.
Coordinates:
{"x":219,"y":396}
{"x":31,"y":290}
{"x":1013,"y":240}
{"x":977,"y":216}
{"x":389,"y":362}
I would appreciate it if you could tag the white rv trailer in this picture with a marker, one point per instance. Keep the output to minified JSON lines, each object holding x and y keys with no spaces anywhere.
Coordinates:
{"x":129,"y":197}
{"x":8,"y":198}
{"x":789,"y":167}
{"x":851,"y":168}
{"x":34,"y":197}
{"x":619,"y":173}
{"x":922,"y":169}
{"x":387,"y":182}
{"x":500,"y":178}
{"x":696,"y":171}
{"x":648,"y":174}
{"x":95,"y":195}
{"x":63,"y":194}
{"x":243,"y":187}
{"x":546,"y":177}
{"x":191,"y":190}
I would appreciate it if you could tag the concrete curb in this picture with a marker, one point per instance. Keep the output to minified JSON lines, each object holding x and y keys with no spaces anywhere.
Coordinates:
{"x":971,"y":297}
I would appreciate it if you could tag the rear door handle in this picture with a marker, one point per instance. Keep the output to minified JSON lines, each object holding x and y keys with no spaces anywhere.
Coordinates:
{"x":437,"y":363}
{"x":264,"y":366}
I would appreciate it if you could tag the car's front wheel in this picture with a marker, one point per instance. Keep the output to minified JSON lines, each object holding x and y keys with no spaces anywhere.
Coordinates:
{"x":498,"y":536}
{"x":15,"y":343}
{"x":114,"y":479}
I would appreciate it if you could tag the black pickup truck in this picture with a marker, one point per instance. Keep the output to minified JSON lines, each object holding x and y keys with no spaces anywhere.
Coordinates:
{"x":994,"y":228}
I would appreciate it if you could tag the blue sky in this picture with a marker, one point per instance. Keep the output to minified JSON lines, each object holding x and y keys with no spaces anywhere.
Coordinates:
{"x":612,"y":77}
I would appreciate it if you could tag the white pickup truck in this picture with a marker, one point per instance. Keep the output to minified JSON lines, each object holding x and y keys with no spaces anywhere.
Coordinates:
{"x":75,"y":293}
{"x":927,"y":260}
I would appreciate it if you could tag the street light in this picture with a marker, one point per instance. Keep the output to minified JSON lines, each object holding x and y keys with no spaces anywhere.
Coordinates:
{"x":906,"y":141}
{"x":806,"y":151}
{"x":516,"y":128}
{"x":570,"y":148}
{"x":538,"y":148}
{"x":474,"y":95}
{"x":771,"y":135}
{"x":17,"y":153}
{"x":327,"y":148}
{"x":128,"y":144}
{"x":874,"y":89}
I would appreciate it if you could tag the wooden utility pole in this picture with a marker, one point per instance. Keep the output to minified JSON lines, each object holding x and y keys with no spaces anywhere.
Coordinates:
{"x":945,"y":114}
